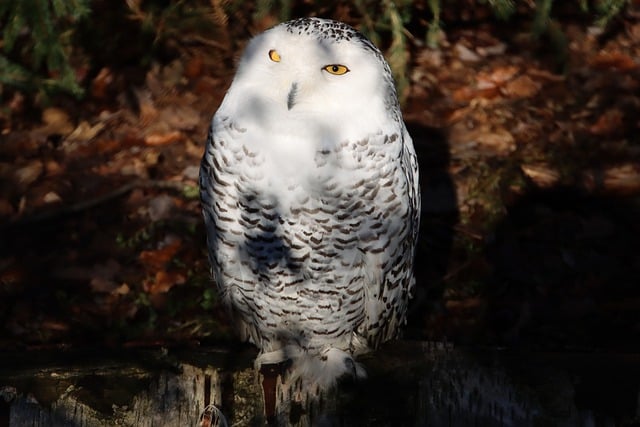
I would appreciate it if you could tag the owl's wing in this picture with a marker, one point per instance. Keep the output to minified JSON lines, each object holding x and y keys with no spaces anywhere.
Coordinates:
{"x":219,"y":196}
{"x":389,"y":257}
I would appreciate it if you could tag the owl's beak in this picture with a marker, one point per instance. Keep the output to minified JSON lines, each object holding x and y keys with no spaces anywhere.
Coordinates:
{"x":291,"y":97}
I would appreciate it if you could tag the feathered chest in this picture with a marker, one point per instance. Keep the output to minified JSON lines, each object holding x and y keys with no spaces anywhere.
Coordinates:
{"x":302,"y":206}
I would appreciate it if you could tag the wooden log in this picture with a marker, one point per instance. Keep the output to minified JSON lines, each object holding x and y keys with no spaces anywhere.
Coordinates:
{"x":409,"y":383}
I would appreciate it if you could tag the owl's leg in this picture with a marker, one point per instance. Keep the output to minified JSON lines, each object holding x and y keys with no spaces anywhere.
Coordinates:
{"x":319,"y":368}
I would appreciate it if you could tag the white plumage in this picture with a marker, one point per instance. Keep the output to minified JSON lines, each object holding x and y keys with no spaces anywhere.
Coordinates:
{"x":309,"y":186}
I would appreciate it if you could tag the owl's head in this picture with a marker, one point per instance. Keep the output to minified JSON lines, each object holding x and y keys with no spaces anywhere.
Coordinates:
{"x":314,"y":67}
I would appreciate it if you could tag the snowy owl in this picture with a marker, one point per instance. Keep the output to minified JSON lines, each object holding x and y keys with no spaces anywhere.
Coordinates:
{"x":309,"y":187}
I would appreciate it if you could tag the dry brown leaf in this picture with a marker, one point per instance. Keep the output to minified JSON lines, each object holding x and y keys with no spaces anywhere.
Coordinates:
{"x":101,"y":84}
{"x":123,"y":289}
{"x":499,"y":140}
{"x":156,"y":139}
{"x":104,"y":146}
{"x":172,"y":74}
{"x":28,"y":174}
{"x":56,"y":121}
{"x":52,"y":167}
{"x":52,"y":197}
{"x":521,"y":87}
{"x":194,"y":150}
{"x":502,"y":75}
{"x":148,"y":111}
{"x":194,"y":67}
{"x":163,"y":281}
{"x":157,"y":259}
{"x":85,"y":132}
{"x":133,"y":167}
{"x":541,"y":174}
{"x":484,"y":81}
{"x":16,"y":105}
{"x":546,"y":75}
{"x":468,"y":94}
{"x":54,"y":325}
{"x":465,"y":54}
{"x":623,"y":179}
{"x":608,"y":123}
{"x":497,"y":49}
{"x":617,"y":60}
{"x":466,"y":142}
{"x":457,"y":115}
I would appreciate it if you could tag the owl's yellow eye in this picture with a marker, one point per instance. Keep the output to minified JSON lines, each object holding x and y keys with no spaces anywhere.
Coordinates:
{"x":336,"y":69}
{"x":274,"y":55}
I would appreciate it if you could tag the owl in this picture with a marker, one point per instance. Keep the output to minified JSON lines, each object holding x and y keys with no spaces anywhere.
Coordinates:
{"x":309,"y":188}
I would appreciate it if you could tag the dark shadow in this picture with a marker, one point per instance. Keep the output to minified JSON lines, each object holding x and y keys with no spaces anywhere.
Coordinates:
{"x":565,"y":271}
{"x":437,"y":221}
{"x":54,"y":259}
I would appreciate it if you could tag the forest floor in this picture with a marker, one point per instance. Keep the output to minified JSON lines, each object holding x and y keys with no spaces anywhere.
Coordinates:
{"x":530,"y":174}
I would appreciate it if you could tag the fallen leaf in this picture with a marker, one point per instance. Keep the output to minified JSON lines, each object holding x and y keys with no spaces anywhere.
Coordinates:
{"x":148,"y":111}
{"x":468,"y":94}
{"x":156,"y":139}
{"x":608,"y":123}
{"x":623,"y":179}
{"x":157,"y":259}
{"x":172,"y":74}
{"x":194,"y":67}
{"x":465,"y":54}
{"x":541,"y":174}
{"x":54,"y":325}
{"x":521,"y":87}
{"x":151,"y":157}
{"x":52,"y":197}
{"x":16,"y":105}
{"x":498,"y":140}
{"x":104,"y":146}
{"x":28,"y":174}
{"x":503,"y":74}
{"x":163,"y":281}
{"x":484,"y":81}
{"x":546,"y":75}
{"x":52,"y":167}
{"x":617,"y":60}
{"x":101,"y":84}
{"x":56,"y":121}
{"x":496,"y":49}
{"x":466,"y":142}
{"x":85,"y":132}
{"x":123,"y":289}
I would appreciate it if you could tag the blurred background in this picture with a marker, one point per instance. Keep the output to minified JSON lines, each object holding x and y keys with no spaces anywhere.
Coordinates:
{"x":525,"y":115}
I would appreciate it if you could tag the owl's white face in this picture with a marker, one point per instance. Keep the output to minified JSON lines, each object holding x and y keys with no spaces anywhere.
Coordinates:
{"x":290,"y":80}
